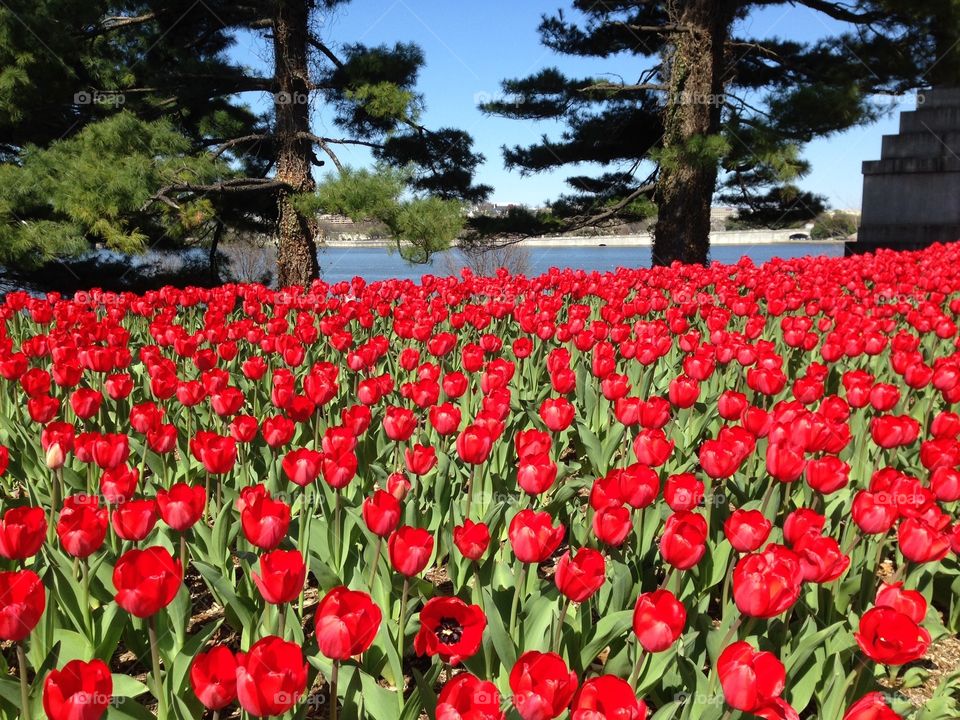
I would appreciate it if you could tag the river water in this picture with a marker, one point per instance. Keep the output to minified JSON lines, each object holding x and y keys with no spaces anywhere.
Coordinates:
{"x":344,"y":263}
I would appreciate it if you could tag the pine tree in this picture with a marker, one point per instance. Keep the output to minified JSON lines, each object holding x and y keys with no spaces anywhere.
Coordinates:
{"x":711,"y":107}
{"x":166,"y":59}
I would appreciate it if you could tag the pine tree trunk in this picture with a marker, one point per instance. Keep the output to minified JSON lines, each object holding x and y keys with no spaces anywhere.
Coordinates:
{"x":687,"y":178}
{"x":297,"y":250}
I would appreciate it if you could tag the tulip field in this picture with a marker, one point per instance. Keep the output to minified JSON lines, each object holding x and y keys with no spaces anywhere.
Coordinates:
{"x":685,"y":492}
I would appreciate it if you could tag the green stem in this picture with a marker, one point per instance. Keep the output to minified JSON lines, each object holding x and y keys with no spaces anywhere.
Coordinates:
{"x":401,"y":621}
{"x":520,"y":581}
{"x":727,"y":581}
{"x":157,"y":675}
{"x":338,"y":528}
{"x":85,"y":608}
{"x":558,"y":633}
{"x":473,"y":470}
{"x":376,"y":561}
{"x":334,"y":674}
{"x":24,"y":685}
{"x":638,"y":666}
{"x":281,"y":620}
{"x":301,"y":538}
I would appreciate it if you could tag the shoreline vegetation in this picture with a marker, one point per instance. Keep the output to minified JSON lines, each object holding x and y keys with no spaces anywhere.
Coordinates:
{"x":726,"y":238}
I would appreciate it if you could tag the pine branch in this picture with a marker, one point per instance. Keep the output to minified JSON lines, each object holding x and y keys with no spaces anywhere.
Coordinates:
{"x":841,"y":11}
{"x":330,"y":55}
{"x":236,"y":186}
{"x":119,"y":21}
{"x":226,"y":145}
{"x":622,"y":87}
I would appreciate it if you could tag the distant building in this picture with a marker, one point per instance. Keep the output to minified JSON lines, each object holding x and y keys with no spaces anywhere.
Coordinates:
{"x":720,"y":215}
{"x":328,"y":219}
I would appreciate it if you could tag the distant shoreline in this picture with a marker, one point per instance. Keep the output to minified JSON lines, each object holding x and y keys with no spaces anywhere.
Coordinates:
{"x":732,"y":237}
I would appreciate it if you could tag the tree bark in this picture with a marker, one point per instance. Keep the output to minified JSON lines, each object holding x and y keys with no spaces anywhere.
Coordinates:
{"x":688,"y":176}
{"x":297,"y":250}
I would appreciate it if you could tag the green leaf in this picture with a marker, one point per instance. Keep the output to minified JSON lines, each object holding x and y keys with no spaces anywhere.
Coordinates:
{"x":125,"y":686}
{"x":612,"y":626}
{"x":502,"y":642}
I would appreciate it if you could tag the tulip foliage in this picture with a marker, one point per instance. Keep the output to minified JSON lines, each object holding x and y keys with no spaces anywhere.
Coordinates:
{"x":685,"y":492}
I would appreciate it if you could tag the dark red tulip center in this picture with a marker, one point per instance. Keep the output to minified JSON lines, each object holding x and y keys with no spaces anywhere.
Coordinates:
{"x":449,"y":631}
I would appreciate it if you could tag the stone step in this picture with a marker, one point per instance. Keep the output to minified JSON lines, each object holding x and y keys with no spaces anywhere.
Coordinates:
{"x":923,"y":144}
{"x":940,"y":97}
{"x":904,"y":166}
{"x":927,"y":119}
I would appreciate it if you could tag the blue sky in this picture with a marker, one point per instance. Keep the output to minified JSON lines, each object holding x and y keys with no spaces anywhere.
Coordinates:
{"x":471,"y":46}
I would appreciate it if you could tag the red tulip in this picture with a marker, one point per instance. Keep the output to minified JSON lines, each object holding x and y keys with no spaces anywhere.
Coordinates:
{"x":607,"y":697}
{"x":474,"y":444}
{"x":398,"y":485}
{"x":909,"y":602}
{"x":450,"y":628}
{"x":347,"y":623}
{"x":410,"y":550}
{"x":22,"y":602}
{"x":828,"y":474}
{"x":890,"y":637}
{"x":302,"y":466}
{"x":801,"y":522}
{"x":652,"y":448}
{"x":381,"y":513}
{"x":277,"y":431}
{"x":536,"y":474}
{"x":119,"y":484}
{"x":217,"y":453}
{"x":557,"y":413}
{"x":271,"y":677}
{"x":683,"y":492}
{"x":281,"y":577}
{"x":82,"y":526}
{"x":399,"y":423}
{"x":264,"y":520}
{"x":471,"y":539}
{"x":445,"y":418}
{"x":874,"y":513}
{"x":683,"y":542}
{"x":658,"y":620}
{"x":110,"y":450}
{"x":612,"y":524}
{"x":146,"y":580}
{"x":182,"y":505}
{"x":85,"y":402}
{"x":134,"y":519}
{"x":639,"y":485}
{"x":821,"y":560}
{"x":579,"y":576}
{"x":747,"y":530}
{"x":533,"y":536}
{"x":871,"y":706}
{"x":750,"y":679}
{"x":213,"y":677}
{"x":467,"y":697}
{"x":921,"y":542}
{"x":542,"y":685}
{"x":22,"y":532}
{"x":420,"y":459}
{"x":765,"y":584}
{"x":78,"y":691}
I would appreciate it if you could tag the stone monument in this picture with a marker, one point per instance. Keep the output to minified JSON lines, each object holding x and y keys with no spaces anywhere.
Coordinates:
{"x":911,"y":195}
